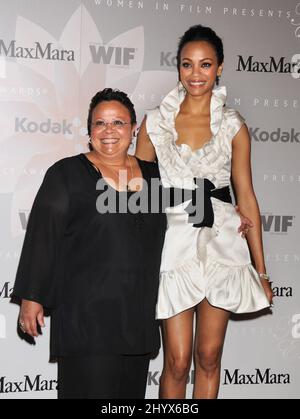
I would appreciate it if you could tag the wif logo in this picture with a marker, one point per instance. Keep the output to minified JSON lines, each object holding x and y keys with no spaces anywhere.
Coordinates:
{"x":119,"y":56}
{"x":277,"y":224}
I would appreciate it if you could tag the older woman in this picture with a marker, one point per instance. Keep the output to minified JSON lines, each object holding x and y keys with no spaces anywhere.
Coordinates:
{"x":96,"y":271}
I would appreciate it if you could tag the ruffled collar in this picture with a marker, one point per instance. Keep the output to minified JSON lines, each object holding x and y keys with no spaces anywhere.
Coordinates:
{"x":170,"y":106}
{"x":175,"y":161}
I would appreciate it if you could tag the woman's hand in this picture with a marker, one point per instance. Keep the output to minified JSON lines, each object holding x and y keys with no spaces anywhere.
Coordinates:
{"x":268,"y":290}
{"x":246,"y":224}
{"x":31,"y":315}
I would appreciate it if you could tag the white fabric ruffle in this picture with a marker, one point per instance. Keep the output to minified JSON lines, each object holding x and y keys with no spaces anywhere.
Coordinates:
{"x":233,"y":288}
{"x":180,"y":289}
{"x":213,"y":159}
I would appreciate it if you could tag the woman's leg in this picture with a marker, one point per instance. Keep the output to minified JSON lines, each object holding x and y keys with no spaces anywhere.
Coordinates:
{"x":209,"y":339}
{"x":178,"y":344}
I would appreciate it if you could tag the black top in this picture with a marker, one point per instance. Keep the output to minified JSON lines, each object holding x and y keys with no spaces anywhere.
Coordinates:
{"x":97,"y":273}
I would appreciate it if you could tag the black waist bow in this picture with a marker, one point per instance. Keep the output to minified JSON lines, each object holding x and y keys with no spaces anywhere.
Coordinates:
{"x":200,"y":209}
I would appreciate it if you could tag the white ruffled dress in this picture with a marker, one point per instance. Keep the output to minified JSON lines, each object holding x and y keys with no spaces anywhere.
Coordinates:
{"x":197,"y":263}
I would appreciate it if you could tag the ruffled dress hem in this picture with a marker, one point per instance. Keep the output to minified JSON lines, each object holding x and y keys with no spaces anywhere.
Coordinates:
{"x":232,"y":288}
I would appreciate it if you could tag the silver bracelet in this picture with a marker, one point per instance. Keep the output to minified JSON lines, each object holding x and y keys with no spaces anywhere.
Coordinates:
{"x":264,"y":276}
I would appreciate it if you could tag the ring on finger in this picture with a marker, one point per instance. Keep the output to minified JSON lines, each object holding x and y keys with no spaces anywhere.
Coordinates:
{"x":22,"y":324}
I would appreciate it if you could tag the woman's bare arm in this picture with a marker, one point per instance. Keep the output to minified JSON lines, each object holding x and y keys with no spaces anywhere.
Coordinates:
{"x":246,"y":199}
{"x":144,"y":147}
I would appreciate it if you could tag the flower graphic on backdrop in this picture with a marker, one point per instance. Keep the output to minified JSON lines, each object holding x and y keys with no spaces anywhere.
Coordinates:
{"x":45,"y":99}
{"x":287,"y":336}
{"x":296,"y":21}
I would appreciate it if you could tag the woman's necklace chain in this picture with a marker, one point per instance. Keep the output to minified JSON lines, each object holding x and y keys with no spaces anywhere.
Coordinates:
{"x":119,"y":177}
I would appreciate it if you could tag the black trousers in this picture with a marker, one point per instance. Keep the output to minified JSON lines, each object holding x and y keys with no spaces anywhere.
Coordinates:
{"x":103,"y":377}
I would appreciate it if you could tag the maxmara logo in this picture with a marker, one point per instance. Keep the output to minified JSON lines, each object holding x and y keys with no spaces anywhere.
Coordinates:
{"x":5,"y":290}
{"x":108,"y":54}
{"x":273,"y":65}
{"x":278,"y":135}
{"x":276,"y":223}
{"x":282,"y":291}
{"x":36,"y":52}
{"x":258,"y":377}
{"x":27,"y":384}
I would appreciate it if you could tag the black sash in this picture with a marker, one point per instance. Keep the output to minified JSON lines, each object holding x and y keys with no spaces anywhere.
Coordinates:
{"x":206,"y":190}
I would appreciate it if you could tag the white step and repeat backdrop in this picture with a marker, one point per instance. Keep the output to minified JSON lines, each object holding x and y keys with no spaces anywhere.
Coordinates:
{"x":54,"y":55}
